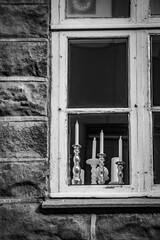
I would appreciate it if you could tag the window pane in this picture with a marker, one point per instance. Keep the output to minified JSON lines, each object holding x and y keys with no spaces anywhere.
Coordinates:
{"x":155,"y":7}
{"x":156,"y":70}
{"x":90,"y":126}
{"x":98,"y":8}
{"x":156,"y":147}
{"x":98,"y":73}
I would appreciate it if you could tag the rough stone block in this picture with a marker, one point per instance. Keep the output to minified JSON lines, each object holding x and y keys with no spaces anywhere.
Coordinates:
{"x":23,"y":140}
{"x":23,"y":59}
{"x":24,"y":20}
{"x":23,"y":180}
{"x":23,"y":221}
{"x":128,"y":226}
{"x":23,"y":99}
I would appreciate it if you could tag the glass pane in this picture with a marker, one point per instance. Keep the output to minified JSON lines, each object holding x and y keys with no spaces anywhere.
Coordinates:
{"x":156,"y":70}
{"x":155,"y":7}
{"x":98,"y":8}
{"x":114,"y":128}
{"x":98,"y":73}
{"x":156,"y":147}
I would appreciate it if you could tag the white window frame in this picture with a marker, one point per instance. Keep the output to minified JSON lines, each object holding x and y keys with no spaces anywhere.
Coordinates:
{"x":140,"y":16}
{"x":59,"y":20}
{"x":140,"y":110}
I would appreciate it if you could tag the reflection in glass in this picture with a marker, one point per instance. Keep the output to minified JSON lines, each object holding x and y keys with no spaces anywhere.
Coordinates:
{"x":98,"y":72}
{"x":90,"y":126}
{"x":155,"y":7}
{"x":98,"y":8}
{"x":156,"y":147}
{"x":155,"y":70}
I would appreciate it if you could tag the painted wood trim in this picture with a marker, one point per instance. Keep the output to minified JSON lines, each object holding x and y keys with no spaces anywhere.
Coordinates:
{"x":101,"y":203}
{"x":140,"y":18}
{"x":98,"y":110}
{"x":54,"y":124}
{"x":132,"y":92}
{"x":55,"y":12}
{"x":139,"y":111}
{"x":107,"y":26}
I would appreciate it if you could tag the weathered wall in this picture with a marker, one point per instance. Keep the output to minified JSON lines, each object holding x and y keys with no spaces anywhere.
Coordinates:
{"x":24,"y":134}
{"x":24,"y":81}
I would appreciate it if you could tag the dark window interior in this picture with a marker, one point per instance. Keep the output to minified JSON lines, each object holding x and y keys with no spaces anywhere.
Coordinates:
{"x":156,"y":146}
{"x":155,"y":7}
{"x":98,"y":73}
{"x":155,"y":70}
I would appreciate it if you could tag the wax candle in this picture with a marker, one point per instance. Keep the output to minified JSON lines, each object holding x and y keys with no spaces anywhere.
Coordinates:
{"x":94,"y":143}
{"x":114,"y":170}
{"x":77,"y":133}
{"x":120,"y":148}
{"x":101,"y":141}
{"x":82,"y":176}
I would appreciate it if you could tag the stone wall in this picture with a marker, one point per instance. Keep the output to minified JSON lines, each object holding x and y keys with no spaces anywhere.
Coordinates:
{"x":24,"y":133}
{"x":24,"y":108}
{"x":24,"y":84}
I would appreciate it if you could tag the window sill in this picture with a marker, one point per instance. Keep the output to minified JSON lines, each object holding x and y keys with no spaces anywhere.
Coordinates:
{"x":101,"y":203}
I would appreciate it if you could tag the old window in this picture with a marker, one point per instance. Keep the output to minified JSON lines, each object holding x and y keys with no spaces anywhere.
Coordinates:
{"x":99,"y":8}
{"x":105,"y":106}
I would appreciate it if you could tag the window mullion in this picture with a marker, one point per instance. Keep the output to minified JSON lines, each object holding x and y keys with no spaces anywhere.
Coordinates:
{"x":140,"y":124}
{"x":143,"y":7}
{"x":133,"y":113}
{"x":143,"y":118}
{"x":63,"y":121}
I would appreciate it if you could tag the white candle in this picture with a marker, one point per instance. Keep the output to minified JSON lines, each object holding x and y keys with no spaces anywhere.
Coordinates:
{"x":120,"y":148}
{"x":101,"y":141}
{"x":77,"y":133}
{"x":114,"y":170}
{"x":94,"y":143}
{"x":82,"y":176}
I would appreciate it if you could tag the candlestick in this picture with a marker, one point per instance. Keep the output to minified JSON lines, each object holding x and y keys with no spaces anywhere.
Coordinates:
{"x":76,"y":168}
{"x":101,"y":142}
{"x":93,"y":162}
{"x":94,"y":143}
{"x":76,"y":133}
{"x":102,"y":171}
{"x":120,"y":148}
{"x":120,"y":165}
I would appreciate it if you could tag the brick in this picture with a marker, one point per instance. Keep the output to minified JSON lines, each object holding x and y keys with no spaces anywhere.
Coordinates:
{"x":23,"y":180}
{"x":23,"y":140}
{"x":23,"y":59}
{"x":23,"y":99}
{"x":24,"y":20}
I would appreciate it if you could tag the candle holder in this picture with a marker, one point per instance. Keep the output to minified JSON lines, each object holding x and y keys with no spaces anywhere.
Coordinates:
{"x":76,"y":168}
{"x":93,"y":162}
{"x":102,"y":171}
{"x":120,"y":165}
